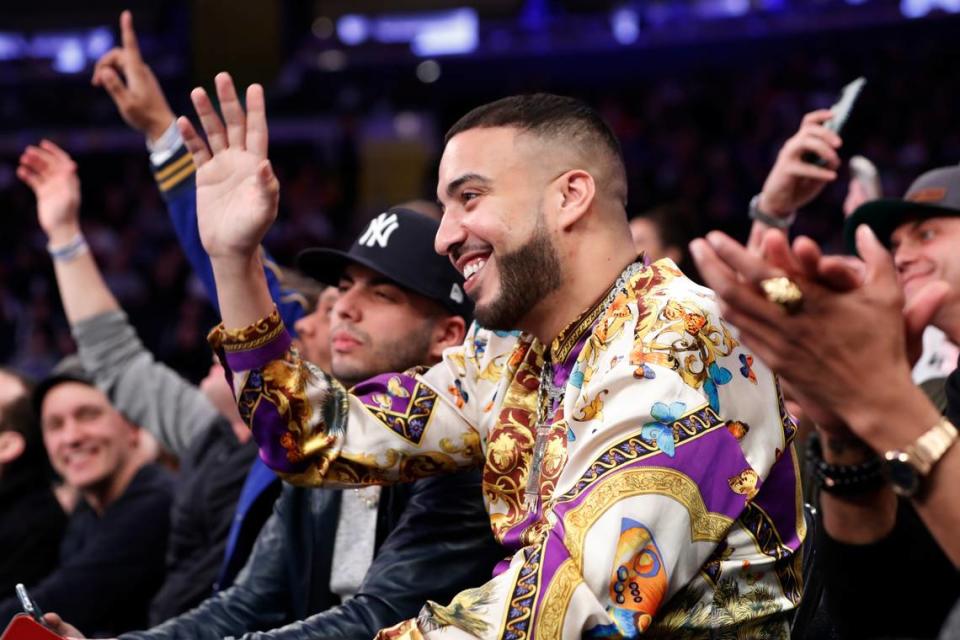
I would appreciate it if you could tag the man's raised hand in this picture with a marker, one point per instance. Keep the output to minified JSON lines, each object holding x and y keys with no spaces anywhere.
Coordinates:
{"x":237,"y":191}
{"x":132,"y":85}
{"x":792,"y":182}
{"x":52,"y":175}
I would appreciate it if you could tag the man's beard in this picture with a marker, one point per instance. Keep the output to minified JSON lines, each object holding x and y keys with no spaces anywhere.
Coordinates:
{"x":527,"y":276}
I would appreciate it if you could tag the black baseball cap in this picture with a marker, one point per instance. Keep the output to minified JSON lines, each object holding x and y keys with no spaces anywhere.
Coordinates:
{"x":398,"y":244}
{"x":70,"y":369}
{"x":935,"y":194}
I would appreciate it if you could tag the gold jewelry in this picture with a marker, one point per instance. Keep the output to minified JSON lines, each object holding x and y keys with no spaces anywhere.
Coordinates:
{"x":783,"y":291}
{"x":907,"y":468}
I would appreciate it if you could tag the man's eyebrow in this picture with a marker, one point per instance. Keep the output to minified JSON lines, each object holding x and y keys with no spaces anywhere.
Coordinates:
{"x":455,"y":184}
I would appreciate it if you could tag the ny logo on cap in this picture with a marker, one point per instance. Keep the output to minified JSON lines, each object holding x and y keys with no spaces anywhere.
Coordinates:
{"x":456,"y":293}
{"x":380,"y":230}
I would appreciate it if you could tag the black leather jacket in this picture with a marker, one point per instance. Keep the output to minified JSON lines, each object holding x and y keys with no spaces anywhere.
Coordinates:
{"x":433,"y":540}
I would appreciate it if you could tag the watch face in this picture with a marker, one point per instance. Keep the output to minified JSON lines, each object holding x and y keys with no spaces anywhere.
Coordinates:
{"x":902,"y":475}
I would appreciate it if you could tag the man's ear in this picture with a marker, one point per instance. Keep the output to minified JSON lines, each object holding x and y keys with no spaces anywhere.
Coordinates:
{"x":578,"y":191}
{"x":12,"y":446}
{"x":448,"y":331}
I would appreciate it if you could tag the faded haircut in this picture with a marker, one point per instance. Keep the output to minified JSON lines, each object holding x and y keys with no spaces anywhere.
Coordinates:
{"x":566,"y":120}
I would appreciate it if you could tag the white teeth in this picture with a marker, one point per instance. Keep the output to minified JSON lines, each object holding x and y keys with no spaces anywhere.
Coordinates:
{"x":472,"y":268}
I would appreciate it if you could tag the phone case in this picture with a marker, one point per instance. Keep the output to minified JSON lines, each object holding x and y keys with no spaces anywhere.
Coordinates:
{"x":23,"y":627}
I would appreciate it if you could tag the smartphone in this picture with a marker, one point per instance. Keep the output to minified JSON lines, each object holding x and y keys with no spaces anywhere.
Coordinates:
{"x":841,"y":112}
{"x":29,"y":605}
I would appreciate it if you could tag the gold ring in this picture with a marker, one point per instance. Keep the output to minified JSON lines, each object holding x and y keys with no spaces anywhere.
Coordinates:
{"x":784,"y":292}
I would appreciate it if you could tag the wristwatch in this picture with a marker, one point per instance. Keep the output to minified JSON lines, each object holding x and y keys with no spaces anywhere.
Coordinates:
{"x":907,"y":469}
{"x":759,"y":215}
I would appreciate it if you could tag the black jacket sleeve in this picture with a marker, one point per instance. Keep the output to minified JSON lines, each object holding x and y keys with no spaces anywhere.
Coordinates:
{"x":257,"y":600}
{"x":441,"y":545}
{"x":907,"y":567}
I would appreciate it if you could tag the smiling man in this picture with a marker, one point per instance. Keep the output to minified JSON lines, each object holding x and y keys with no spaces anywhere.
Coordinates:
{"x":112,"y":555}
{"x":638,"y":465}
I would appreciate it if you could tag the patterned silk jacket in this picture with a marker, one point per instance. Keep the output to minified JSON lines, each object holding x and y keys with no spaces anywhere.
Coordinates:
{"x":665,"y":498}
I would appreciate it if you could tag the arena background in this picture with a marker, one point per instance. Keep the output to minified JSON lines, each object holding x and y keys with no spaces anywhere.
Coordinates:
{"x":359,"y":93}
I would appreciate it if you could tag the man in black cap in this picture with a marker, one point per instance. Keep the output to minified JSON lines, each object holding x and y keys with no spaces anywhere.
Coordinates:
{"x":343,"y":564}
{"x":398,"y":300}
{"x":112,"y":555}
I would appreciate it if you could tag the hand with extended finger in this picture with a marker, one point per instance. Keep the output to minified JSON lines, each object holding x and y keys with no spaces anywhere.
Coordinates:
{"x":792,"y":182}
{"x":52,"y":175}
{"x":237,"y":191}
{"x":132,"y":85}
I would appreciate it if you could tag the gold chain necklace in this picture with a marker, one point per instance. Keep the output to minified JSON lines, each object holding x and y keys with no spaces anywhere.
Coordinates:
{"x":548,"y":395}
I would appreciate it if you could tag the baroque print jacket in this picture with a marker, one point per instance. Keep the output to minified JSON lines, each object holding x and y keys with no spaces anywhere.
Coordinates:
{"x":660,"y":495}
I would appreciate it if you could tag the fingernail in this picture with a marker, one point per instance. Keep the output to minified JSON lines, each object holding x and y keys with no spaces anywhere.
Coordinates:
{"x":714,"y":238}
{"x":696,"y":249}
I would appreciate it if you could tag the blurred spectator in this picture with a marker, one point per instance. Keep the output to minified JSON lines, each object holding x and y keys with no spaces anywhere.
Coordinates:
{"x":31,"y":519}
{"x":202,"y":429}
{"x":112,"y":555}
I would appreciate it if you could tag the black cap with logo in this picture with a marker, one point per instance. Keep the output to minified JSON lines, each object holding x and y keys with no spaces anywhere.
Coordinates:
{"x":398,"y":244}
{"x":935,"y":194}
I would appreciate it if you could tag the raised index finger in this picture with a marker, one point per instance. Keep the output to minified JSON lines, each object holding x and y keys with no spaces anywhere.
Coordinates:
{"x":128,"y":35}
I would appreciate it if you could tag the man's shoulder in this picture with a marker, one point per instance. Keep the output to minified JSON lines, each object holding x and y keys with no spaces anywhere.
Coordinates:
{"x":663,"y":281}
{"x":152,"y":484}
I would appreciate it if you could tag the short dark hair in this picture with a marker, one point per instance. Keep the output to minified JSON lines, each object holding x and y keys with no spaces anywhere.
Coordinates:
{"x":18,"y":415}
{"x":551,"y":116}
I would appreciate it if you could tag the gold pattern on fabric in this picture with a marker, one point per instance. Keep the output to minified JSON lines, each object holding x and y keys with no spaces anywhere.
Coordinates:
{"x":705,"y":526}
{"x":412,"y":423}
{"x":519,"y":612}
{"x":465,"y":612}
{"x":261,"y":332}
{"x":730,"y":610}
{"x":760,"y":526}
{"x":556,"y":600}
{"x":798,"y":496}
{"x":510,"y":440}
{"x":687,"y":428}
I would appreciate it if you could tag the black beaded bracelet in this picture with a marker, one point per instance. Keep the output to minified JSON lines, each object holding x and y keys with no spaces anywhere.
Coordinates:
{"x":844,"y":479}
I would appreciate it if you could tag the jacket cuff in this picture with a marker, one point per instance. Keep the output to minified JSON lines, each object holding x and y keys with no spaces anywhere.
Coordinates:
{"x":254,"y":346}
{"x":175,"y":171}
